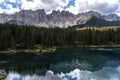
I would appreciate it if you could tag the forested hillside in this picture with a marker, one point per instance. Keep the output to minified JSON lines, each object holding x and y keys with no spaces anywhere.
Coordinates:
{"x":98,"y":22}
{"x":94,"y":21}
{"x":30,"y":37}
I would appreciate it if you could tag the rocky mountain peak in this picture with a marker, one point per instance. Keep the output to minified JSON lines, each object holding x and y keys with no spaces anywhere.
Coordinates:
{"x":56,"y":18}
{"x":112,"y":17}
{"x":93,"y":13}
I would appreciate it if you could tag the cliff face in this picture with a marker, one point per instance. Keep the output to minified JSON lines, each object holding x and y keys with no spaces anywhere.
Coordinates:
{"x":56,"y":18}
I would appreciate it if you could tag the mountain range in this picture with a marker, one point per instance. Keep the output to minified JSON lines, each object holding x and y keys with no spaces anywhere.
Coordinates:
{"x":59,"y":18}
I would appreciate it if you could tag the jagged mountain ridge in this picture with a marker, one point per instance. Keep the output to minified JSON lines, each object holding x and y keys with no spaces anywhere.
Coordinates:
{"x":56,"y":18}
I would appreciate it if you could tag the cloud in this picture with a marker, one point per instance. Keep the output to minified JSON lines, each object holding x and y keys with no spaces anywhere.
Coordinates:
{"x":48,"y":5}
{"x":9,"y":6}
{"x":1,"y":10}
{"x":13,"y":1}
{"x":1,"y":1}
{"x":106,"y":73}
{"x":9,"y":9}
{"x":74,"y":6}
{"x":102,"y":6}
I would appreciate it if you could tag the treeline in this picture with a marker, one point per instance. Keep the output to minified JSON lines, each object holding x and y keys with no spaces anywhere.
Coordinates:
{"x":30,"y":37}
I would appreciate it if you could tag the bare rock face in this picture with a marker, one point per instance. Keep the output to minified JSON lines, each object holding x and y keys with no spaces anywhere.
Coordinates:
{"x":28,"y":17}
{"x":112,"y":17}
{"x":62,"y":19}
{"x":56,"y":18}
{"x":3,"y":18}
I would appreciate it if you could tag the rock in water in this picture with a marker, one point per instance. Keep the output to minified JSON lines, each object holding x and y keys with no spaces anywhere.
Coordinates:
{"x":2,"y":74}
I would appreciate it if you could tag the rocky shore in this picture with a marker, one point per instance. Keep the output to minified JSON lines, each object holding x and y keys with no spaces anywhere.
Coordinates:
{"x":29,"y":51}
{"x":3,"y":74}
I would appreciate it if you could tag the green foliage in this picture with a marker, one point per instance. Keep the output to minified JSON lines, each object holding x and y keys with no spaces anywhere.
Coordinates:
{"x":30,"y":37}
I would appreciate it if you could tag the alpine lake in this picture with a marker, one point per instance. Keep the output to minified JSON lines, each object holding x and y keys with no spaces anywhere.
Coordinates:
{"x":63,"y":64}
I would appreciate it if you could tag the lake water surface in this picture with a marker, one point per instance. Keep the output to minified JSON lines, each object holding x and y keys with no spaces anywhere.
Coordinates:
{"x":63,"y":64}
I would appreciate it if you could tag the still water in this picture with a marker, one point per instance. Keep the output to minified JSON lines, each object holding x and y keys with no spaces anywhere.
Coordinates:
{"x":63,"y":64}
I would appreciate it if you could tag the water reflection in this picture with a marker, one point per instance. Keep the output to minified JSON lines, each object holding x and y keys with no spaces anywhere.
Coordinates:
{"x":106,"y":73}
{"x":90,"y":62}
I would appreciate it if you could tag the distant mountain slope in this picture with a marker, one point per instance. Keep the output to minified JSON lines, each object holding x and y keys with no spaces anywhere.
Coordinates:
{"x":58,"y":18}
{"x":94,"y":21}
{"x":97,"y":22}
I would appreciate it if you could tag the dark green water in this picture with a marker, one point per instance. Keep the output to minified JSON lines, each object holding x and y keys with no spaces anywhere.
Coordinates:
{"x":62,"y":60}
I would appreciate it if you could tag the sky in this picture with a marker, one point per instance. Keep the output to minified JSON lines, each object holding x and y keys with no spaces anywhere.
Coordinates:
{"x":73,"y":6}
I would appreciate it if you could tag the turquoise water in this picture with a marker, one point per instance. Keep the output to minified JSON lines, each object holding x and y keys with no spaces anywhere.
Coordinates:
{"x":64,"y":64}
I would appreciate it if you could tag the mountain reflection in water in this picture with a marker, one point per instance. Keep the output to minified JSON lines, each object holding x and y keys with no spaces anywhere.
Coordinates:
{"x":64,"y":64}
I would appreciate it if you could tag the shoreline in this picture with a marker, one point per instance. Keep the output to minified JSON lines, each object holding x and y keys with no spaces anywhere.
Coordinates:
{"x":91,"y":46}
{"x":48,"y":50}
{"x":14,"y":51}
